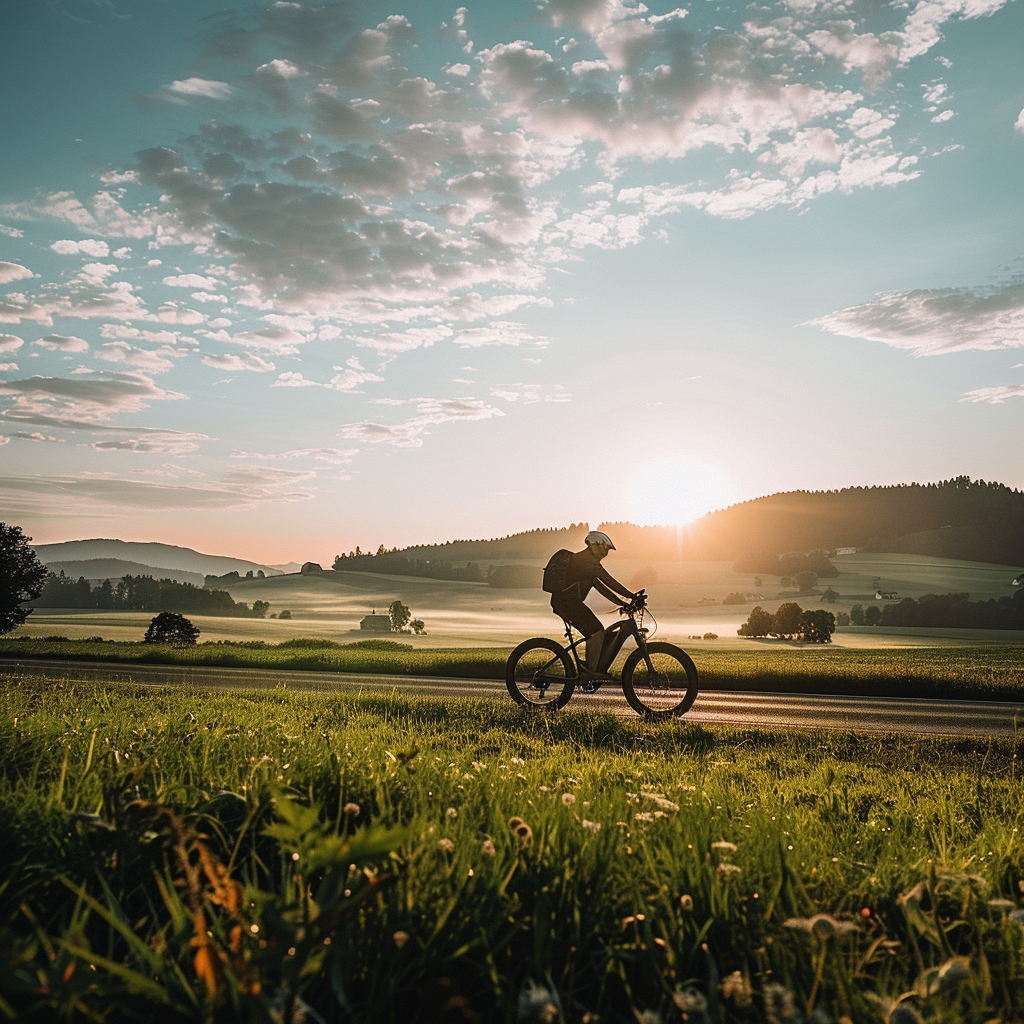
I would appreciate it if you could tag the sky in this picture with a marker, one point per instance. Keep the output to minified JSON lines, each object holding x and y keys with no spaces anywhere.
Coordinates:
{"x":280,"y":279}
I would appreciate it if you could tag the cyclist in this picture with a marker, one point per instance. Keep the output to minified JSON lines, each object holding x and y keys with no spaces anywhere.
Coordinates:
{"x":583,"y":572}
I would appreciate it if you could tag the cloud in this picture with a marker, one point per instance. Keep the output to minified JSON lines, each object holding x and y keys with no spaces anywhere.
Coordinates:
{"x":332,"y":456}
{"x":498,"y":332}
{"x":935,"y":321}
{"x":13,"y":272}
{"x":94,"y":247}
{"x":6,"y":367}
{"x":1019,"y":125}
{"x":191,"y":281}
{"x":430,"y":411}
{"x":291,"y":379}
{"x":231,"y":361}
{"x":111,"y":496}
{"x":10,"y":342}
{"x":351,"y":375}
{"x":147,"y":445}
{"x":995,"y":395}
{"x":89,"y":398}
{"x":132,"y":355}
{"x":281,"y":341}
{"x":203,"y":87}
{"x":530,"y":393}
{"x":62,"y":343}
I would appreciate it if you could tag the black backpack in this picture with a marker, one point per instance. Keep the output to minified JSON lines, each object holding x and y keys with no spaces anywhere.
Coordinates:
{"x":554,"y":571}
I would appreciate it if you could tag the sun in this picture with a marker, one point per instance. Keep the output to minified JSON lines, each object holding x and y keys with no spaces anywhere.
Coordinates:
{"x":672,"y":490}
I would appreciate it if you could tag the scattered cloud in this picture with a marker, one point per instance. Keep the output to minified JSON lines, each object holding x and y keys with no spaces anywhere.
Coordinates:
{"x":231,"y":361}
{"x":203,"y":87}
{"x":13,"y":272}
{"x":530,"y":393}
{"x":430,"y":412}
{"x":133,"y":355}
{"x":935,"y":321}
{"x":291,"y":379}
{"x":62,"y":343}
{"x":94,"y":247}
{"x":10,"y":342}
{"x":995,"y":395}
{"x":332,"y":456}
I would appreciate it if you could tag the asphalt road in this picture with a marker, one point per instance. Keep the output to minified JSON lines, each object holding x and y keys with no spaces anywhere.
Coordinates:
{"x":765,"y":710}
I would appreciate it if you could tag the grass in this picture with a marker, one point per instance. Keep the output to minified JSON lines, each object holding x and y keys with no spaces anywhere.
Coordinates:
{"x":989,"y":672}
{"x":268,"y":855}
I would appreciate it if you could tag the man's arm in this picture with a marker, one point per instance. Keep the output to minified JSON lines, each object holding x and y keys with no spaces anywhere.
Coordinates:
{"x":607,"y":586}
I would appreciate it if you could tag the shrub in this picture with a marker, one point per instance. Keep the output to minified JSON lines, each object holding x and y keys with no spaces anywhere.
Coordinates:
{"x":857,"y":615}
{"x":873,"y":615}
{"x":735,"y":598}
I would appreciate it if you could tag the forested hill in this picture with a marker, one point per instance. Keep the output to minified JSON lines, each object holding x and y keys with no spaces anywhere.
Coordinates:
{"x":958,"y":518}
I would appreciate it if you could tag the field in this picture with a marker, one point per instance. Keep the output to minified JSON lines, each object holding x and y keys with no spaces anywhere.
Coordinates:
{"x":274,"y":856}
{"x":686,"y":600}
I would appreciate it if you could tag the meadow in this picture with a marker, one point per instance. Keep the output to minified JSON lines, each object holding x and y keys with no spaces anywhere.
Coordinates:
{"x":977,"y":672}
{"x":274,"y":856}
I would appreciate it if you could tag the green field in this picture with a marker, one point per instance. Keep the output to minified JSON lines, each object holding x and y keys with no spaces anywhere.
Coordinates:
{"x":982,"y":672}
{"x":193,"y":856}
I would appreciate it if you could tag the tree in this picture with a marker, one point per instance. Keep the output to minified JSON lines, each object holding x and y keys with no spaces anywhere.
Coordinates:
{"x":872,"y":615}
{"x":786,"y":581}
{"x":170,"y":628}
{"x":21,"y":576}
{"x":759,"y":623}
{"x":806,"y":581}
{"x":830,"y":596}
{"x":857,"y":615}
{"x":418,"y":626}
{"x":842,"y":619}
{"x":285,"y":614}
{"x":786,"y":621}
{"x":817,"y":626}
{"x":399,"y":615}
{"x":260,"y":609}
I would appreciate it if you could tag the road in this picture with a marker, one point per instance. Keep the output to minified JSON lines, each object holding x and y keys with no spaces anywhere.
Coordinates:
{"x":766,"y":710}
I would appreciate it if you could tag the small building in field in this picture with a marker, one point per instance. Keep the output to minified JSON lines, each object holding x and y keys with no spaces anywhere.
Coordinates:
{"x":846,"y":551}
{"x":886,"y":595}
{"x":376,"y":623}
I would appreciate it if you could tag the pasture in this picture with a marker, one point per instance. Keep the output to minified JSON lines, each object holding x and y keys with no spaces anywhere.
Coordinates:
{"x":275,"y":856}
{"x":686,"y":600}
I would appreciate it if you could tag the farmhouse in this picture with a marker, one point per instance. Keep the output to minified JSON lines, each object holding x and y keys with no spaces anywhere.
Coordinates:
{"x":886,"y":595}
{"x":376,"y":623}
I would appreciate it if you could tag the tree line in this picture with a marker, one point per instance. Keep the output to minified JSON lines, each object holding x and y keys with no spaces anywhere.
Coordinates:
{"x":955,"y":611}
{"x":790,"y":622}
{"x":143,"y":593}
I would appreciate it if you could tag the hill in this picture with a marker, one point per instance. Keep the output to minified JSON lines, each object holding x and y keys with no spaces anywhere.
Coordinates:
{"x":116,"y":568}
{"x":959,"y":518}
{"x":159,"y":557}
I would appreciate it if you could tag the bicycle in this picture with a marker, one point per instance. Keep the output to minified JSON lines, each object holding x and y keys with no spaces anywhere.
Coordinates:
{"x":659,"y":680}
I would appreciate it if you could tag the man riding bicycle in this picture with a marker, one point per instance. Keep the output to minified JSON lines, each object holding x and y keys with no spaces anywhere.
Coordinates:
{"x":584,"y":571}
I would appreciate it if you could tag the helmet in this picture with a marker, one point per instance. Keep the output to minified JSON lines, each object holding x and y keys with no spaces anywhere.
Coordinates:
{"x":597,"y":537}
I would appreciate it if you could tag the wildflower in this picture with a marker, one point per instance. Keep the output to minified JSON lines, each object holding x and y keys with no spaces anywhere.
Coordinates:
{"x":735,"y":986}
{"x":545,"y":789}
{"x":488,"y":848}
{"x":723,"y":847}
{"x":779,"y":1007}
{"x":537,"y":1004}
{"x":452,"y":813}
{"x":479,"y":766}
{"x":591,"y":826}
{"x":523,"y":831}
{"x":518,"y":760}
{"x":822,"y":925}
{"x":400,"y":938}
{"x":728,"y":870}
{"x":661,"y":801}
{"x":447,"y":845}
{"x":686,"y":902}
{"x":352,"y":809}
{"x":568,"y":799}
{"x":693,"y":1004}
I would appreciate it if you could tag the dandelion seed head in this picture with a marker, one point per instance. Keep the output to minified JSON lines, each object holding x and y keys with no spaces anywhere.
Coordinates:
{"x":591,"y":826}
{"x":568,"y":799}
{"x":686,"y":902}
{"x":400,"y":938}
{"x":447,"y":845}
{"x":488,"y":848}
{"x":351,"y":809}
{"x":452,"y":813}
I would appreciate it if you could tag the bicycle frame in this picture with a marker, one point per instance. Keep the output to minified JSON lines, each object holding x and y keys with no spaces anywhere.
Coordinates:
{"x":616,"y":636}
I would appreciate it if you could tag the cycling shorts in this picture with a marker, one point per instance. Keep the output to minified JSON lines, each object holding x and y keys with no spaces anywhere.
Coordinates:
{"x":574,"y":611}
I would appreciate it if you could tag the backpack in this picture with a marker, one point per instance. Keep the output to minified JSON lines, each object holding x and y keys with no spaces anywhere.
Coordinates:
{"x":554,"y":571}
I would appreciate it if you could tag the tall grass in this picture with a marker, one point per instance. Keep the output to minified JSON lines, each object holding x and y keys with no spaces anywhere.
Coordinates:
{"x":981,"y":672}
{"x":184,"y":855}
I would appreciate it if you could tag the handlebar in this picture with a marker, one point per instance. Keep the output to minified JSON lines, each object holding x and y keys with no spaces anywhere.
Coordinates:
{"x":638,"y":603}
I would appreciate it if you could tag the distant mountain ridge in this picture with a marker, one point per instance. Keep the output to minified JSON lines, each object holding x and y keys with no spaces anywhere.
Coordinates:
{"x":117,"y":568}
{"x":160,"y":557}
{"x":958,"y":518}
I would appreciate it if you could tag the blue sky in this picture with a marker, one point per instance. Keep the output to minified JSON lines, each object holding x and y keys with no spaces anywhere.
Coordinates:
{"x":285,"y":278}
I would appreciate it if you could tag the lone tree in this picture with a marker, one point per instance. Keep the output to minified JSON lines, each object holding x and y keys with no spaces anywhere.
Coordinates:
{"x":260,"y":609}
{"x":170,"y":628}
{"x":21,"y":576}
{"x":399,"y":614}
{"x":419,"y":627}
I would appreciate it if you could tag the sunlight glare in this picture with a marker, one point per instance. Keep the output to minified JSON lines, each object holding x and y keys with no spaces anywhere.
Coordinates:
{"x":672,"y":491}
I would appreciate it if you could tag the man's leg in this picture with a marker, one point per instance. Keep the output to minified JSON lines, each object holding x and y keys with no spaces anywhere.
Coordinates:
{"x":595,"y":644}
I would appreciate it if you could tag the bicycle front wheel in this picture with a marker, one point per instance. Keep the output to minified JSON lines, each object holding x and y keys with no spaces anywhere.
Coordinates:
{"x":540,"y":674}
{"x":665,"y":688}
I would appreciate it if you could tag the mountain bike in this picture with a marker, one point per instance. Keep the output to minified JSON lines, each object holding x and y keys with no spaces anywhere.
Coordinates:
{"x":659,"y":680}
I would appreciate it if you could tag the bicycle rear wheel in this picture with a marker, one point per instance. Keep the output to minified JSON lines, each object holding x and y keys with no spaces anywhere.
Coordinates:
{"x":667,"y":692}
{"x":540,"y":674}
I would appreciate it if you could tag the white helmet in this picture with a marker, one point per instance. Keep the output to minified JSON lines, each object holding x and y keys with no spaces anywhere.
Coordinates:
{"x":597,"y":537}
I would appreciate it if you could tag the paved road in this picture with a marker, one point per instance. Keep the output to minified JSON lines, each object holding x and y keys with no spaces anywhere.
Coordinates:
{"x":774,"y":710}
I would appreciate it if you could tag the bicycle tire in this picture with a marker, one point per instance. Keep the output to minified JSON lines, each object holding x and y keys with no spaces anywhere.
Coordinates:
{"x":534,"y":663}
{"x":673,"y":691}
